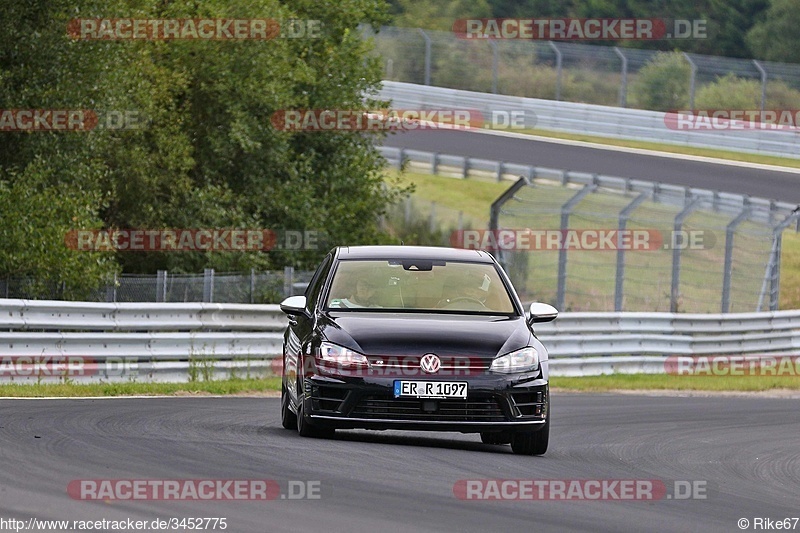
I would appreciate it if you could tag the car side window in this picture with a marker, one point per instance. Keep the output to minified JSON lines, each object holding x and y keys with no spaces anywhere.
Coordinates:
{"x":315,"y":286}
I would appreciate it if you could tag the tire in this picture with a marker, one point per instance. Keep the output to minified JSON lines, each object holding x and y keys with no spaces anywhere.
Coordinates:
{"x":288,"y":418}
{"x":496,"y":438}
{"x":534,"y":443}
{"x":306,"y":429}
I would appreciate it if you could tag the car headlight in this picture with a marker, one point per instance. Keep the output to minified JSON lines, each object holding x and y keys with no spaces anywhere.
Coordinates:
{"x":523,"y":360}
{"x":340,"y":357}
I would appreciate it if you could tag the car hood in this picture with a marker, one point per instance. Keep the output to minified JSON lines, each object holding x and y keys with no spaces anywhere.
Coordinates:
{"x":374,"y":333}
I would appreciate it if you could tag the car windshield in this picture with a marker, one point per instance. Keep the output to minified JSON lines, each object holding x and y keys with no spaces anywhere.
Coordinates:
{"x":419,"y":285}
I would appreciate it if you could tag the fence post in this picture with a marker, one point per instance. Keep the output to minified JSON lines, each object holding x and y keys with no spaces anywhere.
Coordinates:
{"x":161,"y":286}
{"x":432,"y":220}
{"x":691,"y":79}
{"x":427,"y":56}
{"x":111,"y":290}
{"x":288,"y":281}
{"x":623,"y":89}
{"x":558,"y":68}
{"x":208,"y":285}
{"x":407,"y":214}
{"x":566,"y":209}
{"x":435,"y":163}
{"x":727,"y":271}
{"x":624,"y":215}
{"x":773,"y":273}
{"x":494,"y":212}
{"x":493,"y":44}
{"x":252,"y":285}
{"x":763,"y":73}
{"x":676,"y":255}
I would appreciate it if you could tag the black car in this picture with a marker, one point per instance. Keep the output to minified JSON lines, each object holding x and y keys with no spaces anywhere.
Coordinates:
{"x":416,"y":338}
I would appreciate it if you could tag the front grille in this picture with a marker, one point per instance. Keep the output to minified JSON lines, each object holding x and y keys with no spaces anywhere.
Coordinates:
{"x":471,"y":410}
{"x":409,"y":365}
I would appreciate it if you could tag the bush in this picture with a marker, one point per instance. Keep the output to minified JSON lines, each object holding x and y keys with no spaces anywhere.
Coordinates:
{"x":662,"y":84}
{"x":730,"y":92}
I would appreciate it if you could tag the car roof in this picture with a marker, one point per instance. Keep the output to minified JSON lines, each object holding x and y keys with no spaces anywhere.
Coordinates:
{"x":413,"y":252}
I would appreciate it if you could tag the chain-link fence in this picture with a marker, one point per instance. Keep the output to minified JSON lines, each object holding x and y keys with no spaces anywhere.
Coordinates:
{"x":412,"y":221}
{"x":697,"y":252}
{"x":586,"y":73}
{"x":419,"y":221}
{"x":252,"y":287}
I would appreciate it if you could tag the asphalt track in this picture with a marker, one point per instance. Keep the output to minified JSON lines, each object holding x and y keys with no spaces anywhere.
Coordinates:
{"x":743,"y":450}
{"x":770,"y":184}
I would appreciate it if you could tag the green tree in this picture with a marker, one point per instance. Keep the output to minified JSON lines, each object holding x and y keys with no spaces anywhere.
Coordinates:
{"x":438,"y":15}
{"x":204,"y":153}
{"x":775,"y":36}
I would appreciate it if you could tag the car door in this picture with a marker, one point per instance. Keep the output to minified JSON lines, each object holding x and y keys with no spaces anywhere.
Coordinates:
{"x":300,"y":333}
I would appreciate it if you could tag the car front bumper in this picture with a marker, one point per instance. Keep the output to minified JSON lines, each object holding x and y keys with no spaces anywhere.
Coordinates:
{"x":493,"y":403}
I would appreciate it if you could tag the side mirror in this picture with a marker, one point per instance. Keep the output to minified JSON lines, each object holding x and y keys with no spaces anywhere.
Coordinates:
{"x":540,"y":312}
{"x":294,"y":305}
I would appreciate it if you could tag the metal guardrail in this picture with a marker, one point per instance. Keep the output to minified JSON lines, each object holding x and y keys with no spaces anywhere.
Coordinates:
{"x":605,"y":121}
{"x":89,"y":341}
{"x":562,"y":70}
{"x":50,"y":315}
{"x":169,"y":342}
{"x":595,"y":334}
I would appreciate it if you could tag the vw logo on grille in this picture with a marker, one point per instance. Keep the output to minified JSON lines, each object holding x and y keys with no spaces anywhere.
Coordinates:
{"x":430,"y":363}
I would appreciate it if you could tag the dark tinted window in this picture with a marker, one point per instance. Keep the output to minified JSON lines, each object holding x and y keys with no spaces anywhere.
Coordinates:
{"x":419,"y":285}
{"x":314,"y":287}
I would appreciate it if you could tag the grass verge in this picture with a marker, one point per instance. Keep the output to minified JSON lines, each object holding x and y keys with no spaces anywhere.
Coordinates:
{"x":613,"y":382}
{"x":66,"y":390}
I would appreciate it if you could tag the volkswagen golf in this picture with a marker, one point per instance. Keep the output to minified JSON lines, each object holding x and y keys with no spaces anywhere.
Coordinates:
{"x":416,"y":338}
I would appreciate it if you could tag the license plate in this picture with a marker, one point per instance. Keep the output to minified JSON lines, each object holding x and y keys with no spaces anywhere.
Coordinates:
{"x":430,"y":389}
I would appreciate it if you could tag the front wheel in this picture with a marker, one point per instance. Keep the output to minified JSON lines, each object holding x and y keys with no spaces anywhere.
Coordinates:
{"x":288,"y":418}
{"x":534,"y":443}
{"x":306,"y":429}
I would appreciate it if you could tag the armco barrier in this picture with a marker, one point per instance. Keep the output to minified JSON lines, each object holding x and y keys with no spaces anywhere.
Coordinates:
{"x":169,"y":342}
{"x":604,"y":121}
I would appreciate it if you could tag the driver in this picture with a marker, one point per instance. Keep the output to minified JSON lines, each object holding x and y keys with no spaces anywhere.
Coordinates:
{"x":472,"y":286}
{"x":363,"y":296}
{"x":477,"y":287}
